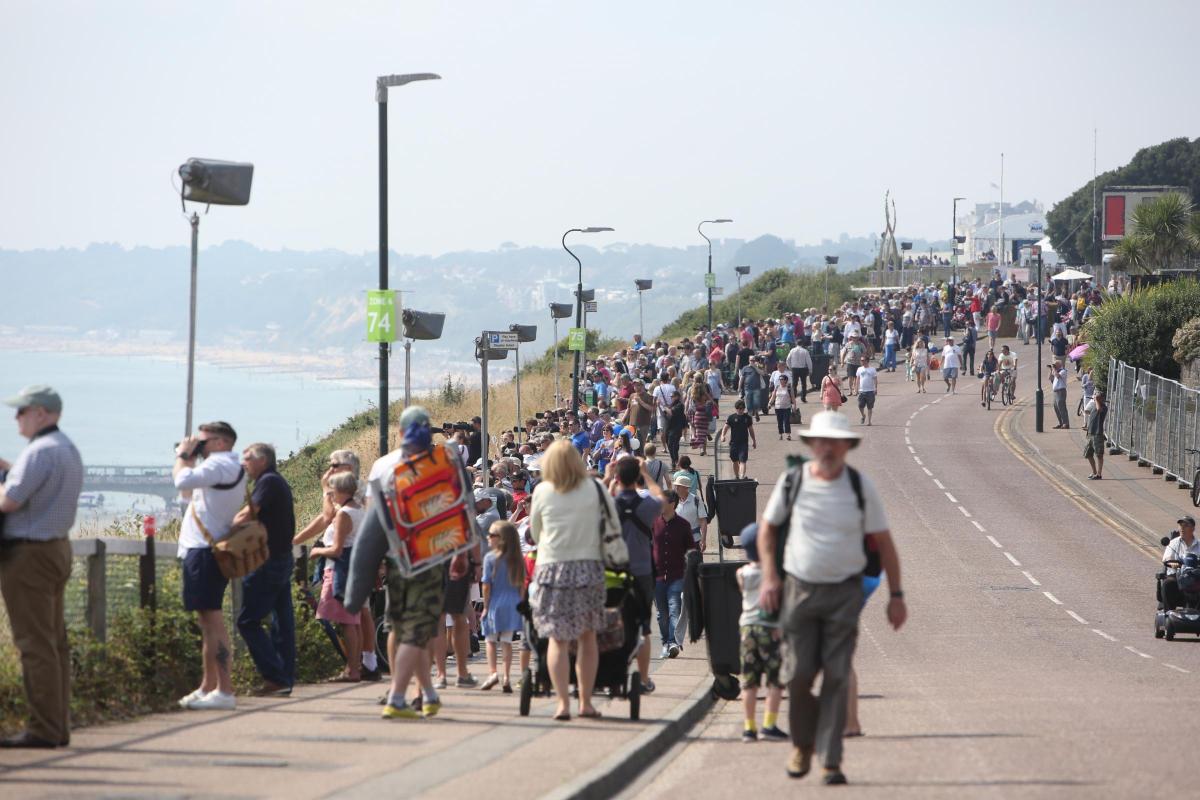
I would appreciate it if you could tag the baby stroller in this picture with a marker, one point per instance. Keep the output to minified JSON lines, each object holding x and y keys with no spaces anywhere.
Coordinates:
{"x":1185,"y":618}
{"x":625,"y":614}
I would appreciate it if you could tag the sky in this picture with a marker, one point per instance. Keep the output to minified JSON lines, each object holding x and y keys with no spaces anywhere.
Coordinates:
{"x":791,"y":118}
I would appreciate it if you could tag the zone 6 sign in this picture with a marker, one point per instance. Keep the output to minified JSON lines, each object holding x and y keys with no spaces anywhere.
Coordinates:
{"x":381,"y":315}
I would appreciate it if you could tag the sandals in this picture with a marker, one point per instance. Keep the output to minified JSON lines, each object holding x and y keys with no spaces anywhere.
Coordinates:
{"x":592,"y":714}
{"x":563,"y":717}
{"x":344,"y":678}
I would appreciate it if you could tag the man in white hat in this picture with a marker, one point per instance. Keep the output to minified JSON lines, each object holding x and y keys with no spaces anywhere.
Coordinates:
{"x":813,"y":553}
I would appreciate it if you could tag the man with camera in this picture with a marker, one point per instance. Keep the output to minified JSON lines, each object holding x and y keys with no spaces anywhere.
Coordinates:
{"x":215,"y":488}
{"x":38,"y":501}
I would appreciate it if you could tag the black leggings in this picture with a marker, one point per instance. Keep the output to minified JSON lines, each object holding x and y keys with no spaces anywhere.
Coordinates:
{"x":783,"y":418}
{"x":673,"y":437}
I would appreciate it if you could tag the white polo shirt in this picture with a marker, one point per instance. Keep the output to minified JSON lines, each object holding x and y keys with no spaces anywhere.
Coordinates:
{"x":216,"y":508}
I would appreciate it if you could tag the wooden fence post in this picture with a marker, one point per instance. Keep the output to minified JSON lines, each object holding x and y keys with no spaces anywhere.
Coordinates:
{"x":97,"y":593}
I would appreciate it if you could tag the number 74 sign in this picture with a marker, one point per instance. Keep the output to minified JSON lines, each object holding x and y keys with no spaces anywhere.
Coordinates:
{"x":381,"y":315}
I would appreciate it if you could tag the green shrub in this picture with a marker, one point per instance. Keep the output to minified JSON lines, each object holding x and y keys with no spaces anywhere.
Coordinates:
{"x":1186,"y":342}
{"x":1138,"y":328}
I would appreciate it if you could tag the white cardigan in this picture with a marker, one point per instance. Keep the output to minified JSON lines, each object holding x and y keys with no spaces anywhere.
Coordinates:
{"x":566,"y":526}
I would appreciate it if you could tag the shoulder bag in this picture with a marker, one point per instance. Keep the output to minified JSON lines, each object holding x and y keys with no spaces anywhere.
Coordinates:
{"x":245,"y":548}
{"x":612,"y":544}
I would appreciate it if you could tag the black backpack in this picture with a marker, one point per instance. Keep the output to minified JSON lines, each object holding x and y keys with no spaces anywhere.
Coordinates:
{"x":791,"y":490}
{"x":627,"y":512}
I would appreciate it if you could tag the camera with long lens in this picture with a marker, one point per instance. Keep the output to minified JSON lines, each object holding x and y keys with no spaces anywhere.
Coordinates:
{"x":197,"y":451}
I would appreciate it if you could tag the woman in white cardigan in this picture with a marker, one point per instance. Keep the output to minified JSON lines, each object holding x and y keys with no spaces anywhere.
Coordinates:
{"x":567,"y":591}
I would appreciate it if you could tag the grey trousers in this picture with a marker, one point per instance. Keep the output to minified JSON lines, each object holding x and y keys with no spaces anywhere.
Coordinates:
{"x":820,"y":630}
{"x":1060,"y":407}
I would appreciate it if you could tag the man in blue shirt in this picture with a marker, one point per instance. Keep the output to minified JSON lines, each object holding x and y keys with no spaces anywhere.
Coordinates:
{"x":579,"y":437}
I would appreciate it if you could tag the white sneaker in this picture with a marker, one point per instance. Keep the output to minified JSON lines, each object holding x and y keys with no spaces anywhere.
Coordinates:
{"x":217,"y":700}
{"x":187,"y":700}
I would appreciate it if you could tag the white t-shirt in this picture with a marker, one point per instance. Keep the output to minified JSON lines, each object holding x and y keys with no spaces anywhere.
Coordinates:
{"x":783,"y":398}
{"x":1177,"y":548}
{"x":356,"y":518}
{"x":824,"y":543}
{"x":216,"y":508}
{"x":891,"y":336}
{"x":920,"y":356}
{"x":867,"y":379}
{"x":951,"y":358}
{"x":664,"y":395}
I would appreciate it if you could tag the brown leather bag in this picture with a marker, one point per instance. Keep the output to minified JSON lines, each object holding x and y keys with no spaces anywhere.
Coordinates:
{"x":244,"y":549}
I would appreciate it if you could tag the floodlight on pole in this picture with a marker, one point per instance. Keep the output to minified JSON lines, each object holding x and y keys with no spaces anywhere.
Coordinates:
{"x":709,"y":241}
{"x":558,"y":311}
{"x":418,"y":326}
{"x":578,"y":311}
{"x":954,"y":241}
{"x":217,"y":183}
{"x":643,"y":285}
{"x":382,"y":84}
{"x":742,"y":270}
{"x":525,"y":333}
{"x":830,"y":261}
{"x":484,"y":354}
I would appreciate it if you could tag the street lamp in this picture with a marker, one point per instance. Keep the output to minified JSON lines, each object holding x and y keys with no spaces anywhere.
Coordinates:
{"x":525,"y":333}
{"x":558,"y":311}
{"x":578,"y":312}
{"x":643,"y":285}
{"x":830,"y":261}
{"x":1039,"y":411}
{"x":954,"y":241}
{"x":743,"y":270}
{"x":218,"y":183}
{"x":382,"y":84}
{"x":708,"y":281}
{"x":422,"y":326}
{"x":904,"y":248}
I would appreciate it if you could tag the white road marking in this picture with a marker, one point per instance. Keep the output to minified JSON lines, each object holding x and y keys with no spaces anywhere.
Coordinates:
{"x":1138,"y":652}
{"x":1099,"y":632}
{"x":927,"y":472}
{"x":1178,"y":669}
{"x":1012,"y":558}
{"x":966,"y":513}
{"x":907,"y":422}
{"x":992,"y":539}
{"x":1077,"y":618}
{"x":939,"y":484}
{"x":1053,"y":599}
{"x":1032,"y":579}
{"x":920,"y":463}
{"x":910,"y":449}
{"x":922,"y":408}
{"x":949,"y":496}
{"x":982,"y":529}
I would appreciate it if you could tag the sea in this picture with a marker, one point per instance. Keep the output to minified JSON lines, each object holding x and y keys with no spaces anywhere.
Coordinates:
{"x":130,"y":410}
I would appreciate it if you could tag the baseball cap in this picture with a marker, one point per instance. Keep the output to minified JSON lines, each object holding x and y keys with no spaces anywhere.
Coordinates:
{"x":37,"y":395}
{"x":1186,"y":519}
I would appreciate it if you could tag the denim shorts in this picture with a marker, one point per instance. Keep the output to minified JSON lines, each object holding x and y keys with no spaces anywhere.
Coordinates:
{"x":949,"y":373}
{"x":203,"y":583}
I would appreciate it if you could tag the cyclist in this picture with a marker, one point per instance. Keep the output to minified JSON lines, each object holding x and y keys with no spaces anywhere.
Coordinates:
{"x":987,"y":370}
{"x":1008,"y":368}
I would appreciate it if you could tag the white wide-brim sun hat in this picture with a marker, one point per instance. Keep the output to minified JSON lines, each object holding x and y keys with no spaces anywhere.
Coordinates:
{"x":830,"y":425}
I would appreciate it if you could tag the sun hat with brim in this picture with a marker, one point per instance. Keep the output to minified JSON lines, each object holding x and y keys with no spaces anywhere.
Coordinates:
{"x":36,"y":395}
{"x":830,"y":425}
{"x":682,"y":480}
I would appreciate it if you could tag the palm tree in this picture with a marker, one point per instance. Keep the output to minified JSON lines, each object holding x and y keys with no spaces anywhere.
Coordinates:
{"x":1131,"y":255}
{"x":1163,"y":228}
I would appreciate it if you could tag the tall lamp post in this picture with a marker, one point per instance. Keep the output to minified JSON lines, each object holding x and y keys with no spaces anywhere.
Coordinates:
{"x":954,"y":242}
{"x":222,"y":183}
{"x":1039,"y":411}
{"x":830,"y":261}
{"x":643,"y":285}
{"x":558,"y":311}
{"x":708,"y":281}
{"x":421,"y":326}
{"x":525,"y":333}
{"x":382,"y":84}
{"x":742,"y":270}
{"x":578,"y":312}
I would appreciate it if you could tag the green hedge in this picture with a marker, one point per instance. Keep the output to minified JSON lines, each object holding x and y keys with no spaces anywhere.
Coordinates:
{"x":1138,"y":328}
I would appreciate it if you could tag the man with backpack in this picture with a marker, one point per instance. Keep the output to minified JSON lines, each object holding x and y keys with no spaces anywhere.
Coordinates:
{"x":637,"y":509}
{"x":819,"y":526}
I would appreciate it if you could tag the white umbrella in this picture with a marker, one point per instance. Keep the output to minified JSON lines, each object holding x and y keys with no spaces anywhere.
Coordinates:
{"x":1071,"y":275}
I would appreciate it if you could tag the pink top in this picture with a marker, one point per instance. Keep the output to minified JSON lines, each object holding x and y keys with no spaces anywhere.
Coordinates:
{"x":993,"y":322}
{"x":831,"y":392}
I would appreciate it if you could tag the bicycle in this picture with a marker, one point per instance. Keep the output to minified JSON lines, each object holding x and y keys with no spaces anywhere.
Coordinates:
{"x":1195,"y":477}
{"x":1007,"y":388}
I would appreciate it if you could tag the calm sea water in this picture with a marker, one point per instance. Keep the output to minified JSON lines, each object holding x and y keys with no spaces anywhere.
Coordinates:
{"x":130,"y":411}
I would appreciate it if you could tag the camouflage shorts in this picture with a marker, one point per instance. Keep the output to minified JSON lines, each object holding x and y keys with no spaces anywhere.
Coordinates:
{"x":760,"y":657}
{"x":414,"y":604}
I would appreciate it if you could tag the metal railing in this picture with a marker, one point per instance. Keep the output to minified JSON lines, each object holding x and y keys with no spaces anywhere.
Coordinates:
{"x":1153,"y":419}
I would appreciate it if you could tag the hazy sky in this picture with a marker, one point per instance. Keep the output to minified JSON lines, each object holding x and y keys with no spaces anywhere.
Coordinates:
{"x":790,"y":117}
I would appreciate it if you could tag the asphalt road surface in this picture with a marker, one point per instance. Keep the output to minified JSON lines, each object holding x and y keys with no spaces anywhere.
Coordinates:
{"x":1028,"y":667}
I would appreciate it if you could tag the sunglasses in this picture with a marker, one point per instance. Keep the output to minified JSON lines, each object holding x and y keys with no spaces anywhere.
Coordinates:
{"x":21,"y":411}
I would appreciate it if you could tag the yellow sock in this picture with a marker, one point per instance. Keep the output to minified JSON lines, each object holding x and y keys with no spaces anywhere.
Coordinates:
{"x":769,"y":719}
{"x":750,"y":725}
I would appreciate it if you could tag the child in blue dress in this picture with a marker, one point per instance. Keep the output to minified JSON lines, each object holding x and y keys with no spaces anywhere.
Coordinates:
{"x":503,"y":581}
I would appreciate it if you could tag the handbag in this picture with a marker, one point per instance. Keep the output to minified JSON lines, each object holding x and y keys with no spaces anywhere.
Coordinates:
{"x":612,"y":544}
{"x":244,"y":549}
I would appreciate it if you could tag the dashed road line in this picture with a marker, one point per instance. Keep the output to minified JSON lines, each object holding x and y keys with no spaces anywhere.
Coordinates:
{"x":907,"y":440}
{"x":1076,"y":617}
{"x":922,"y":408}
{"x":939,"y":484}
{"x":917,"y":459}
{"x":982,"y":529}
{"x":950,"y":497}
{"x":1053,"y":599}
{"x":1012,"y":558}
{"x":927,"y":472}
{"x":992,"y":539}
{"x":1101,"y":633}
{"x":1032,"y":579}
{"x":910,"y":449}
{"x":1137,"y":652}
{"x":1178,"y":669}
{"x":966,"y":513}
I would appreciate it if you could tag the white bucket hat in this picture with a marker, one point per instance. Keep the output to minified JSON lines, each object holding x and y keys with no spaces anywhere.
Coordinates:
{"x":830,"y":425}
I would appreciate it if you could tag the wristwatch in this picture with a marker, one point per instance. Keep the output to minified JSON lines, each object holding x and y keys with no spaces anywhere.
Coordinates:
{"x":897,"y":595}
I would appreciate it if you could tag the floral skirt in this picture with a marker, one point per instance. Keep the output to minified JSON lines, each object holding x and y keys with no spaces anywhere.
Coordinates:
{"x":567,"y":598}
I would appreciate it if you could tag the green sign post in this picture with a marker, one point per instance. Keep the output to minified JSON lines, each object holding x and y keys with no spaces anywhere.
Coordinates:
{"x":710,"y":280}
{"x":381,"y":315}
{"x":577,"y":339}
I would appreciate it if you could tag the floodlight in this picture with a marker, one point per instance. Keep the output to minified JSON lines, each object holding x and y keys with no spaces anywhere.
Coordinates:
{"x":218,"y":183}
{"x":906,"y":245}
{"x":525,"y":333}
{"x":560,"y":310}
{"x":644,"y":284}
{"x":830,"y":260}
{"x":422,"y":324}
{"x":742,"y":270}
{"x":586,"y":295}
{"x":591,"y":229}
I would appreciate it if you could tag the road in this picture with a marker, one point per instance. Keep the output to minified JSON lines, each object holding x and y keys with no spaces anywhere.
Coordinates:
{"x":1028,"y":667}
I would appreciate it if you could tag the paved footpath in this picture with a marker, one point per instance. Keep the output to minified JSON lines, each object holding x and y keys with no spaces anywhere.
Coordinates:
{"x":1028,"y":667}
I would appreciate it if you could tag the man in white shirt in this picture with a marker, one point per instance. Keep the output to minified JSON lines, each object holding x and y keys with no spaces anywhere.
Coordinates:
{"x":852,"y":328}
{"x":664,"y":395}
{"x":1058,"y":376}
{"x":951,"y":364}
{"x":868,"y":382}
{"x":216,"y":488}
{"x":1176,"y":550}
{"x":800,"y":362}
{"x":818,"y":588}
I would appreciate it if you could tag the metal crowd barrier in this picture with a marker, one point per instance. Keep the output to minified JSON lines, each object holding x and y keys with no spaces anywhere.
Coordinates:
{"x":1154,"y":420}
